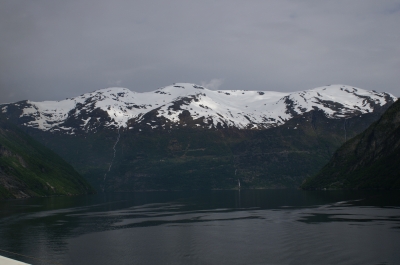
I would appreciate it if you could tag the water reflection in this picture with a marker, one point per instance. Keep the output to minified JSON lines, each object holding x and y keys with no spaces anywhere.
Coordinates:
{"x":236,"y":227}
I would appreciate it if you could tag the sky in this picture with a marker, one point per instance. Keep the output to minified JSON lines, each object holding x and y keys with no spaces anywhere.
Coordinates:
{"x":51,"y":50}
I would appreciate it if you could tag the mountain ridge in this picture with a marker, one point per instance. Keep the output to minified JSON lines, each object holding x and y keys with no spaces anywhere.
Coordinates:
{"x":184,"y":104}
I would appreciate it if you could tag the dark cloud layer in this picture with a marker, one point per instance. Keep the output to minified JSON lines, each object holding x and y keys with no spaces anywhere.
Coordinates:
{"x":55,"y":49}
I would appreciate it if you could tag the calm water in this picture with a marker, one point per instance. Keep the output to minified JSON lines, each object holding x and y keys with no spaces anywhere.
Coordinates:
{"x":215,"y":227}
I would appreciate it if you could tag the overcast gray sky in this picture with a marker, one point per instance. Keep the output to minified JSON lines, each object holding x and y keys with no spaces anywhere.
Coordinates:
{"x":50,"y":49}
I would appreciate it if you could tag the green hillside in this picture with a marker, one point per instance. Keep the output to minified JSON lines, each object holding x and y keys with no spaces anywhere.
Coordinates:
{"x":28,"y":169}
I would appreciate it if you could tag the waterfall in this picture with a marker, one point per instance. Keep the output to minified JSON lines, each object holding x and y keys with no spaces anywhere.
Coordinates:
{"x":112,"y":160}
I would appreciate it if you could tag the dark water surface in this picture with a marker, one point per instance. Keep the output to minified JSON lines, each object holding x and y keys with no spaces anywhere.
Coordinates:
{"x":214,"y":227}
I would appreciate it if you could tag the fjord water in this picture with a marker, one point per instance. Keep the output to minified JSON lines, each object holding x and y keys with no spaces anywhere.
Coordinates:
{"x":205,"y":227}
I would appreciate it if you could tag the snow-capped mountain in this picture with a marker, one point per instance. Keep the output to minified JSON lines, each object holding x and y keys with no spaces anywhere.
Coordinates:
{"x":183,"y":104}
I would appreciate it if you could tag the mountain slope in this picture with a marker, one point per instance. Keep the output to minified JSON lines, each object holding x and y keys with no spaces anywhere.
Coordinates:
{"x":28,"y":169}
{"x":371,"y":160}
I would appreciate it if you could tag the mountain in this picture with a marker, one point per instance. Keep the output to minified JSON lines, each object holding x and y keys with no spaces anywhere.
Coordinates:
{"x":371,"y":160}
{"x":185,"y":136}
{"x":28,"y":169}
{"x":190,"y":105}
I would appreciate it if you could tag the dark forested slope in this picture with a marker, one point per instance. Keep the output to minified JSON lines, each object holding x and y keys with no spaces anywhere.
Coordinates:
{"x":370,"y":160}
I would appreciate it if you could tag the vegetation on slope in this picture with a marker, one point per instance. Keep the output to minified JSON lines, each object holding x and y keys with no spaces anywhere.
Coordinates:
{"x":28,"y":169}
{"x":370,"y":160}
{"x":190,"y":158}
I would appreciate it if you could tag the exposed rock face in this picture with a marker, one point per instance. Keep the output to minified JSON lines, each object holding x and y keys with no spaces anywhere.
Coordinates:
{"x":370,"y":160}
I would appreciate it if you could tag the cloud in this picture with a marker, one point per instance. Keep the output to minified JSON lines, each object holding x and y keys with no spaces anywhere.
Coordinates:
{"x":213,"y":84}
{"x":116,"y":83}
{"x":51,"y":50}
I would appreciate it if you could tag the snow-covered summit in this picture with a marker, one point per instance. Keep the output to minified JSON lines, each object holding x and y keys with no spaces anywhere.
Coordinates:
{"x":184,"y":103}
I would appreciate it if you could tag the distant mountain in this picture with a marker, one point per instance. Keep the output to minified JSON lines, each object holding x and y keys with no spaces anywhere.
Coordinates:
{"x":185,"y":136}
{"x":370,"y":160}
{"x":190,"y":105}
{"x":28,"y":169}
